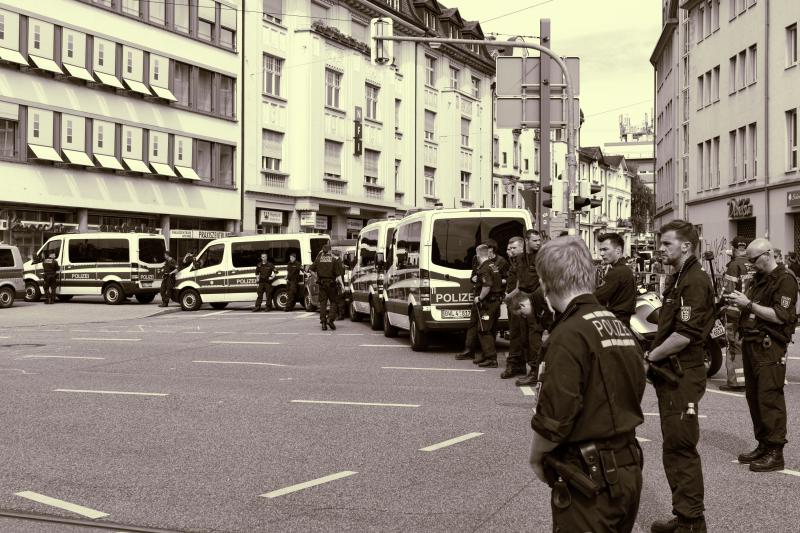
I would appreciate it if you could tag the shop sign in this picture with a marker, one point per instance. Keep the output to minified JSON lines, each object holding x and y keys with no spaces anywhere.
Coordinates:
{"x":197,"y":234}
{"x":355,"y":224}
{"x":308,"y":218}
{"x":268,"y":216}
{"x":741,"y":208}
{"x":34,"y":226}
{"x":180,"y":234}
{"x":793,"y":199}
{"x":321,"y":222}
{"x":128,"y":228}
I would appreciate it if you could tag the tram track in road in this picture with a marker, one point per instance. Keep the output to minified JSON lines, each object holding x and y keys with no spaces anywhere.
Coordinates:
{"x":88,"y":523}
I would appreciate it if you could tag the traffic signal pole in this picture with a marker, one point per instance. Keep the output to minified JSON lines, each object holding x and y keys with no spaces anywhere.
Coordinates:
{"x":545,"y":164}
{"x":572,"y":118}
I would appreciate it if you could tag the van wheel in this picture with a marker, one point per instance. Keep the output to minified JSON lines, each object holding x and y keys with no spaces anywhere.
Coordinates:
{"x":355,"y":316}
{"x":32,"y":292}
{"x":145,"y":298}
{"x":64,"y":297}
{"x":419,"y":340}
{"x":219,"y":305}
{"x":307,"y":303}
{"x":713,"y":357}
{"x":6,"y":297}
{"x":113,"y":295}
{"x":389,"y":330}
{"x":190,"y":300}
{"x":281,"y":300}
{"x":375,"y":319}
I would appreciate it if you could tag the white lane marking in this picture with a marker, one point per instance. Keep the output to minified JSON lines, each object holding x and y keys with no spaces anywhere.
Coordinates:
{"x":51,"y":330}
{"x":431,"y":368}
{"x":642,"y":439}
{"x":215,"y":313}
{"x":527,"y":391}
{"x":381,"y":345}
{"x":3,"y":336}
{"x":450,"y":442}
{"x":280,"y":333}
{"x":308,"y":484}
{"x":61,"y":504}
{"x":790,"y":472}
{"x":244,"y":342}
{"x":358,"y":403}
{"x":118,"y":339}
{"x":112,"y":392}
{"x":656,"y":414}
{"x":223,"y":332}
{"x":795,"y":358}
{"x":725,"y":393}
{"x":237,"y":363}
{"x":59,"y":357}
{"x":351,"y":334}
{"x":307,"y":315}
{"x":736,"y":461}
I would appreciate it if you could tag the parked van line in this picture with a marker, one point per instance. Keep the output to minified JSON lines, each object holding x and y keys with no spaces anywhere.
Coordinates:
{"x":367,"y":276}
{"x":114,"y":265}
{"x":429,"y":265}
{"x":225,"y":270}
{"x":12,"y":286}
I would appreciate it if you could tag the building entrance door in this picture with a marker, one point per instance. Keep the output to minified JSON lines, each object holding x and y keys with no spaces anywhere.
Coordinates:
{"x":746,"y":228}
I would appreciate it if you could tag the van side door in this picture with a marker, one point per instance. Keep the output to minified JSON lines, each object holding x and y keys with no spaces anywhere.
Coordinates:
{"x":209,"y":273}
{"x":79,"y":267}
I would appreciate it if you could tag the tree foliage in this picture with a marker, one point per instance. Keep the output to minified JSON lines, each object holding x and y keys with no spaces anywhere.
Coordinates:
{"x":643,"y":205}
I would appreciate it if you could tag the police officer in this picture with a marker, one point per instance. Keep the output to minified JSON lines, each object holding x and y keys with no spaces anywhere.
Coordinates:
{"x":329,"y":272}
{"x":471,"y":342}
{"x":767,"y":325}
{"x":517,"y":324}
{"x":487,"y":303}
{"x":591,"y":359}
{"x":341,"y":308}
{"x":528,"y":282}
{"x":738,"y":275}
{"x":51,"y":269}
{"x":168,"y":281}
{"x":265,"y":273}
{"x":685,"y":322}
{"x":618,"y":290}
{"x":293,"y":273}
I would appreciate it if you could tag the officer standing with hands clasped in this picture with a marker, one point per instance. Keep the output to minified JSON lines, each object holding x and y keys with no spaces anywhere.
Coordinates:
{"x":293,"y":273}
{"x":487,"y":303}
{"x":51,"y":269}
{"x":517,"y":324}
{"x":738,"y":275}
{"x":168,"y":282}
{"x":767,"y":325}
{"x":592,"y":383}
{"x":265,"y":273}
{"x":618,"y":290}
{"x":684,"y":324}
{"x":329,"y":272}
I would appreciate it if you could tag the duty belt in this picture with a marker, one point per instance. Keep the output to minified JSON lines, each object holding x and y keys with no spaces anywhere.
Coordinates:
{"x":601,"y":459}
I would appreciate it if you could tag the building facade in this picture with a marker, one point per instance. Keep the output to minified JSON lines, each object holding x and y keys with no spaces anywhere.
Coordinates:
{"x":425,"y":119}
{"x":613,"y":214}
{"x":119,"y":116}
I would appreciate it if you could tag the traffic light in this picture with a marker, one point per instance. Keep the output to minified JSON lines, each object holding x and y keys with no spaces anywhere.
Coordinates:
{"x":584,"y":199}
{"x":382,"y":51}
{"x":556,"y":191}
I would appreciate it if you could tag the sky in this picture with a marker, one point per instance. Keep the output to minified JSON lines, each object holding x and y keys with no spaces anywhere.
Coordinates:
{"x":612,"y":38}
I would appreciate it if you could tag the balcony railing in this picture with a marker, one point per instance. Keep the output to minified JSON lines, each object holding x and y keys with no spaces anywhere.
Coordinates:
{"x":373,"y":191}
{"x":275,"y":180}
{"x":335,"y":186}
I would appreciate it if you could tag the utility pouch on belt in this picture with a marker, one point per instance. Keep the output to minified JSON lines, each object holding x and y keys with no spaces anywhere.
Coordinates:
{"x":572,"y":475}
{"x":591,"y":458}
{"x":663,"y":372}
{"x":675,"y":363}
{"x":610,"y":472}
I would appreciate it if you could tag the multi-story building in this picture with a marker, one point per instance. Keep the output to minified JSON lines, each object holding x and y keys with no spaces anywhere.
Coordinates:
{"x":738,"y":149}
{"x":637,"y":145}
{"x":613,"y":215}
{"x":426,"y":119}
{"x":119,"y":115}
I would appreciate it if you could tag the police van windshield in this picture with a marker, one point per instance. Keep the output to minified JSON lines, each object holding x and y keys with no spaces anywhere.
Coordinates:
{"x":316,"y":246}
{"x":151,"y":250}
{"x":455,"y":240}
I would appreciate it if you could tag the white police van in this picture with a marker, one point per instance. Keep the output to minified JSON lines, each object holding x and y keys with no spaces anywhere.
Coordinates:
{"x":11,"y":284}
{"x":114,"y":265}
{"x":367,"y":275}
{"x":428,"y":286}
{"x":225,"y":270}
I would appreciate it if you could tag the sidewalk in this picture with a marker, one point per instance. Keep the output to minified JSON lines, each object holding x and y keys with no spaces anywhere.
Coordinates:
{"x":82,"y":310}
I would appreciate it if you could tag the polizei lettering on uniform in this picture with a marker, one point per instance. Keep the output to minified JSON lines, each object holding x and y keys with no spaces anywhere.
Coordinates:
{"x":450,"y":298}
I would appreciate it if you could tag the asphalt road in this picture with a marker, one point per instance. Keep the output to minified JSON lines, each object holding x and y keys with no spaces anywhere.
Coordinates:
{"x":220,"y":426}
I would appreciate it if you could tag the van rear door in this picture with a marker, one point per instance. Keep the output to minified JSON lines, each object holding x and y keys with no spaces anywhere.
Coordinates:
{"x":150,"y":262}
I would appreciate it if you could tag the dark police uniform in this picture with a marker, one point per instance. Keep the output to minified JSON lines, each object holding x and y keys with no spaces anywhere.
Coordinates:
{"x":489,"y":308}
{"x":293,"y":271}
{"x":517,"y":330}
{"x":618,"y":291}
{"x":738,"y":277}
{"x":471,"y":339}
{"x":328,"y":268}
{"x":592,"y":388}
{"x":537,"y":322}
{"x":168,"y":282}
{"x":264,"y":272}
{"x":764,"y":348}
{"x":51,"y":269}
{"x":688,"y":310}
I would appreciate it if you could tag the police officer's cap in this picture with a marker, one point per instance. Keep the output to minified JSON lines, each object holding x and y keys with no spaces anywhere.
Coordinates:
{"x":738,"y":241}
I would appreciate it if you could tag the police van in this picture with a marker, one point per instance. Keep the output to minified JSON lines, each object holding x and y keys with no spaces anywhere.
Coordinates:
{"x":367,"y":276}
{"x":114,"y":265}
{"x":225,"y":270}
{"x":429,"y":264}
{"x":11,"y":284}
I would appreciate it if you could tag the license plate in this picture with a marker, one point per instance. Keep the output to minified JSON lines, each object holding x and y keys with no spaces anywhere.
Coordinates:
{"x":456,"y":313}
{"x":718,"y":330}
{"x":147,"y":284}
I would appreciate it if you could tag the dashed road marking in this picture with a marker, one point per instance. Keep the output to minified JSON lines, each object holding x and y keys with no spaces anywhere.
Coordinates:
{"x":215,"y":313}
{"x":725,"y":393}
{"x":117,"y":339}
{"x":237,"y":363}
{"x":3,"y":336}
{"x":527,"y":391}
{"x":642,"y":439}
{"x":431,"y":368}
{"x":112,"y":392}
{"x":61,"y":504}
{"x":245,"y":342}
{"x":450,"y":442}
{"x":369,"y":404}
{"x":308,"y":484}
{"x":790,"y":472}
{"x":307,"y":315}
{"x":60,"y":357}
{"x":795,"y":358}
{"x":351,"y":334}
{"x":381,"y":346}
{"x":223,"y":333}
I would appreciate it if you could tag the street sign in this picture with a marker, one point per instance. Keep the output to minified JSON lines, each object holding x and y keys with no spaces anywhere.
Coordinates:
{"x":525,"y":112}
{"x":518,"y":76}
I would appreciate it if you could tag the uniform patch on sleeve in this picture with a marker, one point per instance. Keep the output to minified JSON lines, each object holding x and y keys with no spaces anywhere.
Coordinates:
{"x":785,"y":301}
{"x":686,"y":313}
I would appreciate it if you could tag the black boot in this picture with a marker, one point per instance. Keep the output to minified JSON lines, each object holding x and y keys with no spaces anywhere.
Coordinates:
{"x":331,"y":324}
{"x":324,"y":326}
{"x":755,"y":455}
{"x":466,"y":354}
{"x":679,"y":525}
{"x":772,"y":461}
{"x":488,"y":363}
{"x":511,"y":372}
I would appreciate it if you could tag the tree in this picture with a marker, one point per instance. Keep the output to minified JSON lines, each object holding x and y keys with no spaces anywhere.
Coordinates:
{"x":643,"y":206}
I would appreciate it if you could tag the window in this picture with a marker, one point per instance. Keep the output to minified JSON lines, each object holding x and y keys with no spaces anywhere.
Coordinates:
{"x":707,"y":96}
{"x":752,"y":138}
{"x":516,"y":154}
{"x":151,"y":250}
{"x":454,"y":240}
{"x":430,"y":182}
{"x":791,"y":139}
{"x":536,"y":159}
{"x":248,"y":254}
{"x":734,"y":157}
{"x":685,"y":139}
{"x":397,"y":187}
{"x":180,"y":83}
{"x":752,"y":64}
{"x":454,"y":73}
{"x":100,"y":136}
{"x":430,"y":71}
{"x":333,"y":159}
{"x":179,"y":148}
{"x":271,"y":150}
{"x":226,"y":98}
{"x":37,"y":36}
{"x":371,"y":164}
{"x":6,"y":258}
{"x":430,"y":20}
{"x":686,"y":74}
{"x":273,"y":10}
{"x":409,"y":239}
{"x":204,"y":90}
{"x":101,"y":54}
{"x":526,"y":163}
{"x":741,"y":68}
{"x":319,"y":12}
{"x":211,"y":257}
{"x":732,"y":75}
{"x":714,"y":14}
{"x":476,"y":87}
{"x":505,"y":159}
{"x":226,"y":161}
{"x":69,"y":131}
{"x":273,"y":69}
{"x":700,"y":82}
{"x":430,"y":125}
{"x":129,"y":64}
{"x":715,"y":85}
{"x":359,"y":32}
{"x":465,"y":132}
{"x":465,"y":185}
{"x":99,"y":251}
{"x":8,"y":138}
{"x":496,"y":152}
{"x":227,"y":26}
{"x":2,"y":26}
{"x":129,"y":141}
{"x":70,"y":45}
{"x":181,"y":16}
{"x":206,"y":19}
{"x":372,"y":101}
{"x":397,"y":123}
{"x":158,"y":12}
{"x":700,"y":23}
{"x":203,"y":160}
{"x":791,"y":45}
{"x":131,"y":7}
{"x":154,"y":139}
{"x":36,"y":125}
{"x":333,"y":82}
